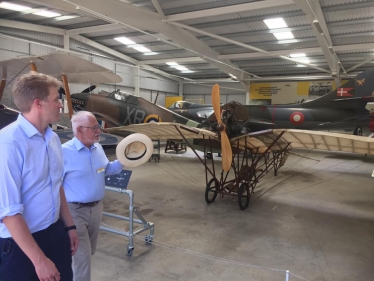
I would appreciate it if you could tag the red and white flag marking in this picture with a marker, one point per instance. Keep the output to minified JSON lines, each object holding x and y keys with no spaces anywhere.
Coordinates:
{"x":343,"y":92}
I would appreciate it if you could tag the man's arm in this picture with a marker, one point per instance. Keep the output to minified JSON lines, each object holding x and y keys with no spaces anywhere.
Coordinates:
{"x":68,"y":221}
{"x":44,"y":267}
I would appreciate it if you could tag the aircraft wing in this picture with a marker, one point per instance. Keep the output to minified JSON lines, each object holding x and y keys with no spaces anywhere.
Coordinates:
{"x":163,"y":131}
{"x":76,"y":69}
{"x":328,"y":141}
{"x":262,"y":140}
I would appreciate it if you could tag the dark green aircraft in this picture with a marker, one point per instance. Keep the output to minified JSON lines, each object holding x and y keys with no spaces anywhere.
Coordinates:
{"x":342,"y":110}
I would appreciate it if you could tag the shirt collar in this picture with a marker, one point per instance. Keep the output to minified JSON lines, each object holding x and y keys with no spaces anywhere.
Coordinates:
{"x":79,"y":145}
{"x":29,"y":128}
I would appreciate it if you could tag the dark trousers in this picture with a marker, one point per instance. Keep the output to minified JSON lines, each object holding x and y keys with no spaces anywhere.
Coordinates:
{"x":53,"y":241}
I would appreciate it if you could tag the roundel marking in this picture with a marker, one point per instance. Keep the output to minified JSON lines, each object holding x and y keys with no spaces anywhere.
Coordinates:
{"x":151,"y":118}
{"x":297,"y":118}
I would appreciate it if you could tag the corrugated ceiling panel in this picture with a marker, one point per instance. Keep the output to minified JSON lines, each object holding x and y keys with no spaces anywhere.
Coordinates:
{"x":350,"y":14}
{"x":108,"y":32}
{"x":347,"y":29}
{"x":328,"y":3}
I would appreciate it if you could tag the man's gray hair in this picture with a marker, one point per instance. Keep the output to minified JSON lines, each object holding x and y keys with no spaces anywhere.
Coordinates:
{"x":79,"y":119}
{"x":32,"y":86}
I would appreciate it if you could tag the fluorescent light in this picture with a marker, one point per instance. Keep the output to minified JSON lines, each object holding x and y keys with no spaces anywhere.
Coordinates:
{"x":181,"y":67}
{"x":297,"y":55}
{"x":303,"y":60}
{"x":141,"y":48}
{"x":124,"y":40}
{"x":300,"y":65}
{"x":66,"y":17}
{"x":283,"y":35}
{"x":150,"y":54}
{"x":47,"y":14}
{"x":187,"y":71}
{"x":14,"y":7}
{"x":275,"y":23}
{"x":171,"y":63}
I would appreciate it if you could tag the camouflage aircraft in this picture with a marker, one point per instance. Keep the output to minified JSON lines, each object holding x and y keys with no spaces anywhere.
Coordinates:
{"x":121,"y":109}
{"x":193,"y":111}
{"x":341,"y":109}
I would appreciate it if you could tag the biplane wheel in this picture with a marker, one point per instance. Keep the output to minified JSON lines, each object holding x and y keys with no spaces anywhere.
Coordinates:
{"x":211,"y":191}
{"x":243,"y":195}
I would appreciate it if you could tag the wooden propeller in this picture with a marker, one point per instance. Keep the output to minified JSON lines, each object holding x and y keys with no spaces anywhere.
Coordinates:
{"x":225,"y":143}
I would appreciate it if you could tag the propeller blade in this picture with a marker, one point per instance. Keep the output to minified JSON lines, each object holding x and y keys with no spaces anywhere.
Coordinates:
{"x":216,"y":103}
{"x":226,"y":151}
{"x":225,"y":143}
{"x":89,"y":89}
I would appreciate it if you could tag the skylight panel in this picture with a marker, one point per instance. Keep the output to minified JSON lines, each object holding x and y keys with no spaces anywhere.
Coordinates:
{"x":298,"y":55}
{"x":47,"y":14}
{"x":275,"y":23}
{"x":13,"y":7}
{"x":141,"y":48}
{"x":283,"y":35}
{"x":125,"y":40}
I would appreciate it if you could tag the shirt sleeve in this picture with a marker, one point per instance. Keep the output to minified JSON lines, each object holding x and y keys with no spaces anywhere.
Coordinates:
{"x":10,"y":180}
{"x":113,"y":168}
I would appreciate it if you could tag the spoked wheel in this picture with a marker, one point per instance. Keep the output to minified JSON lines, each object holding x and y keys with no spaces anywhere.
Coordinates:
{"x":244,"y":195}
{"x":211,"y":191}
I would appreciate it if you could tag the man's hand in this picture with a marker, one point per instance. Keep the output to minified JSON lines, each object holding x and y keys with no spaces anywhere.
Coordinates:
{"x":74,"y":241}
{"x":46,"y":270}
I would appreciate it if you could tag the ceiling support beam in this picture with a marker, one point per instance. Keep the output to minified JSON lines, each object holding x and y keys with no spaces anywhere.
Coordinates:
{"x":315,"y":16}
{"x":159,"y":9}
{"x":32,"y":27}
{"x":131,"y":16}
{"x":368,"y":60}
{"x":119,"y":55}
{"x":342,"y":48}
{"x":263,"y":52}
{"x":178,"y":60}
{"x":228,"y":10}
{"x":97,"y":28}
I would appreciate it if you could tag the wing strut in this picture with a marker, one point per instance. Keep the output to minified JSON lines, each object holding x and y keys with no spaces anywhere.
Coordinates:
{"x":67,"y":94}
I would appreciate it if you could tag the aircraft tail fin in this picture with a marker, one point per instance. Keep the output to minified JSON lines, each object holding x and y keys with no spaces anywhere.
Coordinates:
{"x":355,"y":93}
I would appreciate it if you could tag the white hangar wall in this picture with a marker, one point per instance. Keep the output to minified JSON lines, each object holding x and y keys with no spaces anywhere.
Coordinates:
{"x":230,"y":91}
{"x":149,"y":83}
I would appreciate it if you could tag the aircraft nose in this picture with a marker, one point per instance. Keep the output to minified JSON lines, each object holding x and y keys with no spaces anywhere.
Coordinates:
{"x":79,"y":101}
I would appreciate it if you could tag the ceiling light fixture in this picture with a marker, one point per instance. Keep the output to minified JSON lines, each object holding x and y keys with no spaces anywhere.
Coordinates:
{"x":171,"y":63}
{"x":125,"y":40}
{"x":275,"y":23}
{"x":299,"y":55}
{"x":13,"y":7}
{"x":47,"y":14}
{"x":141,"y":48}
{"x":283,"y":35}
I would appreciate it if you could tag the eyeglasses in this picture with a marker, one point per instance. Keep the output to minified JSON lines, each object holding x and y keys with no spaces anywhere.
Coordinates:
{"x":94,"y":128}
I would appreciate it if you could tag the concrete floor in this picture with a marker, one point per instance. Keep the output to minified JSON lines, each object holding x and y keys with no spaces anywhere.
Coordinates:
{"x":315,"y":219}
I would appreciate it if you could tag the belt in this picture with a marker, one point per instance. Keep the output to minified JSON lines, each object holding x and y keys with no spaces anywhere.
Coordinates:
{"x":89,"y":204}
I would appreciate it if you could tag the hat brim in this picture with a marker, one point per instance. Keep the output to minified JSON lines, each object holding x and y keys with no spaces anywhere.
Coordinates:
{"x":134,"y":150}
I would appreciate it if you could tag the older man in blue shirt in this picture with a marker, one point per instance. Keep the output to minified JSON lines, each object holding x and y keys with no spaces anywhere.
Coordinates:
{"x":33,"y":242}
{"x":85,"y":167}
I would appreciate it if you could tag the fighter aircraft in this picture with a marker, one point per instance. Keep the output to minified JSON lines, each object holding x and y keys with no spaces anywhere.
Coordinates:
{"x":193,"y":111}
{"x":344,"y":103}
{"x":120,"y":109}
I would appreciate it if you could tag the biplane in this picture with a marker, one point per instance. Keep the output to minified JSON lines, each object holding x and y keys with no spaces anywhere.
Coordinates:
{"x":63,"y":66}
{"x":246,"y":157}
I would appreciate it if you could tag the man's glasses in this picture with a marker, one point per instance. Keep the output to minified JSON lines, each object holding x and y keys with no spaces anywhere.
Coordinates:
{"x":94,"y":128}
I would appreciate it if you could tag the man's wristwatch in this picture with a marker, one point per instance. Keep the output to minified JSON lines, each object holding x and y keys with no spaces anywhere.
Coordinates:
{"x":70,"y":227}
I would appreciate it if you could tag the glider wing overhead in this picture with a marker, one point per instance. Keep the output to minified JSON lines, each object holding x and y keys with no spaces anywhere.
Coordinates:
{"x":76,"y":69}
{"x":328,"y":141}
{"x":163,"y":131}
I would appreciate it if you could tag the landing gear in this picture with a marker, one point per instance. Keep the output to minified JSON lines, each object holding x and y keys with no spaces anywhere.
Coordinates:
{"x":211,"y":191}
{"x":358,"y":131}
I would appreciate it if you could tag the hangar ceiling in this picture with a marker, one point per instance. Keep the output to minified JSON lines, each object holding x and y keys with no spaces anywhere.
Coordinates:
{"x":212,"y":39}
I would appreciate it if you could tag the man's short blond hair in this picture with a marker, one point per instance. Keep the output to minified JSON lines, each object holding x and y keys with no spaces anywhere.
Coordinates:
{"x":32,"y":86}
